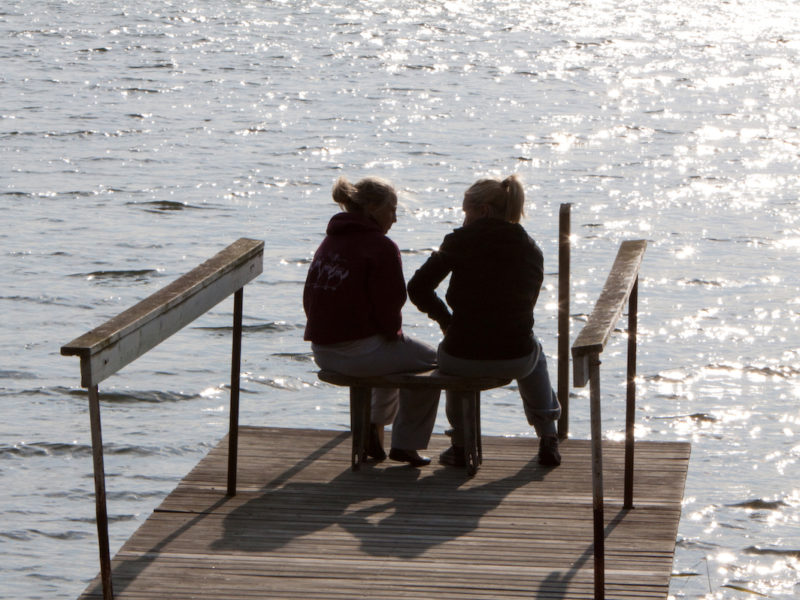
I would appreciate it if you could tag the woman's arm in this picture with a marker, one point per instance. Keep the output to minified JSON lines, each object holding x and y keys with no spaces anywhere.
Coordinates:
{"x":422,"y":289}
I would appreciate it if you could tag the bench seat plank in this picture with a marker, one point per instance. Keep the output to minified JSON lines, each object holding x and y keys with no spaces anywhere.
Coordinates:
{"x":433,"y":379}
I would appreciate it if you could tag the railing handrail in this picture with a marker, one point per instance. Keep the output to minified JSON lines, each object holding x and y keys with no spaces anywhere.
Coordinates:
{"x":621,"y":287}
{"x":609,"y":307}
{"x":127,"y":336}
{"x":124,"y":338}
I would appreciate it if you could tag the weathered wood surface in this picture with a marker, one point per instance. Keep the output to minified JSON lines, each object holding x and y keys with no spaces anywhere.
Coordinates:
{"x":423,"y":380}
{"x":122,"y":339}
{"x":303,"y":525}
{"x":608,"y":309}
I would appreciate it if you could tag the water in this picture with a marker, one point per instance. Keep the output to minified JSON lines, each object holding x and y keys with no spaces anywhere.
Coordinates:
{"x":138,"y":139}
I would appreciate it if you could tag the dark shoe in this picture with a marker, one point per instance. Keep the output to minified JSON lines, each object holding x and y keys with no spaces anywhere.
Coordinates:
{"x":374,"y":448}
{"x":453,"y":457}
{"x":549,"y":456}
{"x":411,"y":457}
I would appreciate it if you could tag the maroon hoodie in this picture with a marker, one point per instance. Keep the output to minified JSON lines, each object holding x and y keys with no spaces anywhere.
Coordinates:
{"x":355,"y":286}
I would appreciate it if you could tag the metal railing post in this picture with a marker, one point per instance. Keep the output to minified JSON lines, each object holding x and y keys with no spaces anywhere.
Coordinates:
{"x":236,"y":361}
{"x":630,"y":393}
{"x":100,"y":493}
{"x":563,"y":317}
{"x":597,"y":478}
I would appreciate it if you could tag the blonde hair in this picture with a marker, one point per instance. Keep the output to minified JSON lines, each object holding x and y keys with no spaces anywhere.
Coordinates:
{"x":369,"y":192}
{"x":505,"y":199}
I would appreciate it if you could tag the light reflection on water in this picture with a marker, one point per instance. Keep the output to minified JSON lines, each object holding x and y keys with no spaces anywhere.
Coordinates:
{"x":139,"y":138}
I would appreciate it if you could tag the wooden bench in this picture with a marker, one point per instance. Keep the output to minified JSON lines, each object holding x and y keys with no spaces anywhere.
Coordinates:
{"x":360,"y":395}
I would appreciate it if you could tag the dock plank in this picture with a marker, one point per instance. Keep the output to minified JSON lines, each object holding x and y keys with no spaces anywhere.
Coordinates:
{"x":303,"y":525}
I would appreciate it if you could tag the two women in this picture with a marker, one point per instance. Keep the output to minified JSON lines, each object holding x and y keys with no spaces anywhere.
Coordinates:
{"x":355,"y":290}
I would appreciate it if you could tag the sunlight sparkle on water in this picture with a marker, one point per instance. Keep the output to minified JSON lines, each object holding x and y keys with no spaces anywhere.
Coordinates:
{"x":211,"y":392}
{"x":725,"y":557}
{"x":788,"y":243}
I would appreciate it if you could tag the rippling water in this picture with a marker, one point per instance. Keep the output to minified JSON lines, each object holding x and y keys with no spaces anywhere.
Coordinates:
{"x":137,"y":139}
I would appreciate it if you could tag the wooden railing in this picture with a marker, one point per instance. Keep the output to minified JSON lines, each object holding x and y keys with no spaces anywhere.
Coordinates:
{"x":621,"y":288}
{"x":121,"y":340}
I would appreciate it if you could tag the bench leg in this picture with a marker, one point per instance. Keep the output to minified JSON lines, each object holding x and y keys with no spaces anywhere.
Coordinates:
{"x":478,"y":426}
{"x":471,"y":432}
{"x":360,"y":400}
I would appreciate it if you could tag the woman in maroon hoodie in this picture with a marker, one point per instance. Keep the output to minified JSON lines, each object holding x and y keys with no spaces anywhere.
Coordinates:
{"x":353,"y":295}
{"x":496,"y":272}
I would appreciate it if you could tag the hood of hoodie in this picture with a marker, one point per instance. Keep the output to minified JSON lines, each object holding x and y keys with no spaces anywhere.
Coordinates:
{"x":346,"y":223}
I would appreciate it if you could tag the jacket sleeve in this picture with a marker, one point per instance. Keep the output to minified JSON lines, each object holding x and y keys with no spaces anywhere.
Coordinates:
{"x":387,"y":289}
{"x":537,"y":271}
{"x":422,"y":289}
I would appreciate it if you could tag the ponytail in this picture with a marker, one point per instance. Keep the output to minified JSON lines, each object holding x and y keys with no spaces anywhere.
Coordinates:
{"x":345,"y":195}
{"x":515,"y":198}
{"x":505,"y":199}
{"x":369,"y":192}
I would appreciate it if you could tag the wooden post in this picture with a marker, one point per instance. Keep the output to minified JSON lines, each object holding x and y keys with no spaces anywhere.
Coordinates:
{"x":100,"y":493}
{"x":469,"y":415}
{"x":597,"y":478}
{"x":478,"y":433}
{"x":563,"y":318}
{"x":360,"y":409}
{"x":236,"y":365}
{"x":630,"y":394}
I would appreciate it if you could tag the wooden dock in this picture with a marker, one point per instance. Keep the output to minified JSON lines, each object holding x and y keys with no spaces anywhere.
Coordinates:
{"x":303,"y":525}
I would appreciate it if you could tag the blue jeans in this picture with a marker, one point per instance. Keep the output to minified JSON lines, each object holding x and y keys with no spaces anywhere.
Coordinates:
{"x":538,"y":398}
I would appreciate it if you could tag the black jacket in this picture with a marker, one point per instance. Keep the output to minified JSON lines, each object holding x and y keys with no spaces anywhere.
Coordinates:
{"x":496,"y":274}
{"x":355,"y":286}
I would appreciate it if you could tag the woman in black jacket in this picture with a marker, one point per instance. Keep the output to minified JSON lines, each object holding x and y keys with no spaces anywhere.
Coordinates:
{"x":496,"y":272}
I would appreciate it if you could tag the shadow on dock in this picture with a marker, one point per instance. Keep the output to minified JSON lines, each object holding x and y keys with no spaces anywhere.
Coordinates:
{"x":316,"y":529}
{"x":375,"y":505}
